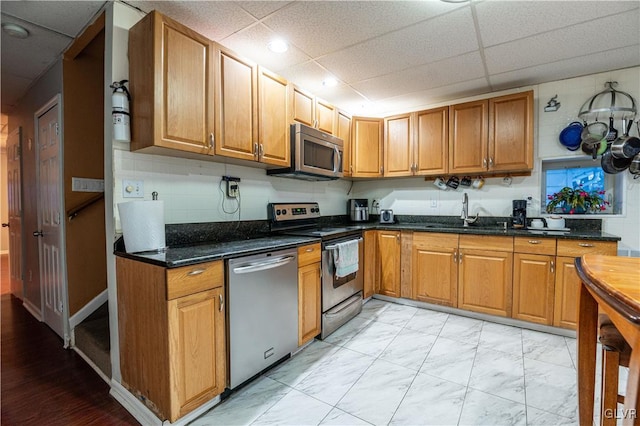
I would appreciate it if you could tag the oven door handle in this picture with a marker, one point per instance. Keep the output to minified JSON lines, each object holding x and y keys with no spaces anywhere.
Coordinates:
{"x":335,"y":246}
{"x":262,"y":266}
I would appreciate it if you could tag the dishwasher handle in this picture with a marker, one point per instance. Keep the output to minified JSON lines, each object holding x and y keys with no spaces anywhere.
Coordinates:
{"x":262,"y":266}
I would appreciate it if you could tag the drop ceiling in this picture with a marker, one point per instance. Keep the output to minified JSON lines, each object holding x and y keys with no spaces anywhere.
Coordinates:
{"x":387,"y":56}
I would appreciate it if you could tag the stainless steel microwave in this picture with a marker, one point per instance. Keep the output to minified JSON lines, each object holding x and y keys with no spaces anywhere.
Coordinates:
{"x":315,"y":155}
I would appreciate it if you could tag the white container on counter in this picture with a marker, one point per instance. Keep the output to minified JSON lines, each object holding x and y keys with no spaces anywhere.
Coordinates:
{"x":555,"y":222}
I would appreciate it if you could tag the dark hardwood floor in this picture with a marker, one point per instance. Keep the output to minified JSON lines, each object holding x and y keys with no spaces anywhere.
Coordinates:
{"x":42,"y":383}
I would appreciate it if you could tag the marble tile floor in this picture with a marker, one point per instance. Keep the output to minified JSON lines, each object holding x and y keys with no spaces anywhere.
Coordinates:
{"x":400,"y":365}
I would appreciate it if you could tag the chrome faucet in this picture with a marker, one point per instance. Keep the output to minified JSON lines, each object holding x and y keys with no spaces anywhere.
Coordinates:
{"x":465,"y":211}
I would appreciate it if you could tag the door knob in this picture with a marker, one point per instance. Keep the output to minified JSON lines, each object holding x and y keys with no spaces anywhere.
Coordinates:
{"x":38,"y":234}
{"x":5,"y":225}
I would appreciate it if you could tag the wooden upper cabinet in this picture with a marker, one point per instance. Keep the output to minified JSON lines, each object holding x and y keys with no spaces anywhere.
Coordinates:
{"x":431,"y":142}
{"x":273,"y":121}
{"x":302,"y":106}
{"x":325,"y":116}
{"x":343,"y":131}
{"x":511,"y":132}
{"x":366,"y":147}
{"x":398,"y":146}
{"x":171,"y":73}
{"x":236,"y":96}
{"x":468,"y":137}
{"x":305,"y":108}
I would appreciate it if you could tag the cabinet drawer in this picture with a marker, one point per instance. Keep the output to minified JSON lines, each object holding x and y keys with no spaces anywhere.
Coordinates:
{"x":576,"y":248}
{"x":486,"y":242}
{"x":308,"y":254}
{"x":535,"y":245}
{"x":429,"y":239}
{"x":193,"y":279}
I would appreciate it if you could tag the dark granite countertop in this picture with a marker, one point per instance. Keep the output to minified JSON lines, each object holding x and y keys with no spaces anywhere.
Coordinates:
{"x":174,"y":257}
{"x":194,"y":243}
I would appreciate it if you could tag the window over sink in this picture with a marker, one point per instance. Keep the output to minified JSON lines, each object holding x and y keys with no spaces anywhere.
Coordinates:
{"x":586,"y":173}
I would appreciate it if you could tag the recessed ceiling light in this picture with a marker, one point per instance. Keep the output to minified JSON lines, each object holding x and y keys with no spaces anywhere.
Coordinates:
{"x":278,"y":46}
{"x":329,"y":82}
{"x":15,"y":30}
{"x":456,"y":1}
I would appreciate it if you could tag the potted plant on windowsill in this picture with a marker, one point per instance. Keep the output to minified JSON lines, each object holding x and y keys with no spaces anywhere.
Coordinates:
{"x":576,"y":201}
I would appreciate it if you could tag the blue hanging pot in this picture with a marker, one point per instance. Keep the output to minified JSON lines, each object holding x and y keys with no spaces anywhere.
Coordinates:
{"x":570,"y":137}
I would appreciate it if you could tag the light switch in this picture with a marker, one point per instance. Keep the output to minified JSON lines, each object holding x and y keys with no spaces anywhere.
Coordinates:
{"x":133,"y":189}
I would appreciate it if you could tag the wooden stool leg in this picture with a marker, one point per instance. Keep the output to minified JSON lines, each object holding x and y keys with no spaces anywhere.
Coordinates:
{"x":609,"y":394}
{"x":631,"y":410}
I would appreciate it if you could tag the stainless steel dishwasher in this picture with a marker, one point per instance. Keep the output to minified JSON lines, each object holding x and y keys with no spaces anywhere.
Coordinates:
{"x":263,"y":312}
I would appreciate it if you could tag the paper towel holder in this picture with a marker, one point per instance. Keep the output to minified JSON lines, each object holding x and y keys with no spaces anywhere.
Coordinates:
{"x":154,"y":195}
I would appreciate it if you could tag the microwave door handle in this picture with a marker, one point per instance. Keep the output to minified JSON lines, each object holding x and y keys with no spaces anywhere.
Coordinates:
{"x":336,"y":159}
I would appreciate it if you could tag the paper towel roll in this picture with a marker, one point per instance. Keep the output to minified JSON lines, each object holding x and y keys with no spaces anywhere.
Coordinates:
{"x":142,"y":225}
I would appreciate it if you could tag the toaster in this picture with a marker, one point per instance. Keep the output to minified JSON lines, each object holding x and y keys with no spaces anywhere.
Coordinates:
{"x":386,"y":216}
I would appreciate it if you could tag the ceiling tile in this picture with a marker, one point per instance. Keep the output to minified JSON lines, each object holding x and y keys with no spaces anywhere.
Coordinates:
{"x":308,"y":75}
{"x":321,"y":27}
{"x":425,"y":42}
{"x":30,"y":57}
{"x":260,"y":9}
{"x":502,"y":21}
{"x":592,"y":37}
{"x":584,"y":65}
{"x":442,"y":73}
{"x":64,"y":17}
{"x":343,"y":96}
{"x":213,"y":19}
{"x":252,"y":43}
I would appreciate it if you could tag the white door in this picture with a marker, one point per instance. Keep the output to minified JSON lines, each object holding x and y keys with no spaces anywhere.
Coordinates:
{"x":14,"y":181}
{"x":50,"y":217}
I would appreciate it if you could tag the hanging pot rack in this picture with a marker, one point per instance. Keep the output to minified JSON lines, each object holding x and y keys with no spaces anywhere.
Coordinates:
{"x":608,"y":102}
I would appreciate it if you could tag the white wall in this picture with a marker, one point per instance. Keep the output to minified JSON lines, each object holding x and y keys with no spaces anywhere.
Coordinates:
{"x":191,"y":188}
{"x":416,"y":196}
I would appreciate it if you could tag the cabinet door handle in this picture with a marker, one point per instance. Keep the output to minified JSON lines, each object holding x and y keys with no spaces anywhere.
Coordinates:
{"x":553,"y":266}
{"x":460,"y":258}
{"x":261,"y":151}
{"x":255,"y":149}
{"x":221,"y":303}
{"x":309,"y":250}
{"x":398,"y":237}
{"x":586,"y":245}
{"x":320,"y":271}
{"x":351,"y":168}
{"x":196,"y":272}
{"x":534,"y":242}
{"x":490,"y":162}
{"x":455,"y":256}
{"x":381,"y":170}
{"x":484,"y":162}
{"x":212,"y":141}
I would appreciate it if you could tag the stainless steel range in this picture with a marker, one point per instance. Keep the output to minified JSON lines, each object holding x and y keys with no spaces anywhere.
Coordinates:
{"x":341,"y":296}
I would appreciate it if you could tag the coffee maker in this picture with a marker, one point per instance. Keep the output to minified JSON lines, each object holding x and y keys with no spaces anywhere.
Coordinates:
{"x":358,"y":209}
{"x":519,"y":216}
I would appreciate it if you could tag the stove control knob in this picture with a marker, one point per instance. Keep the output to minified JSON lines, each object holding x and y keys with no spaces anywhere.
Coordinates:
{"x":278,"y":212}
{"x":284,"y":211}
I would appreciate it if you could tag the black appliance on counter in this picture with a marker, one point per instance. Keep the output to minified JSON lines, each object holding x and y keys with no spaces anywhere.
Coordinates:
{"x":519,"y":216}
{"x":341,"y":296}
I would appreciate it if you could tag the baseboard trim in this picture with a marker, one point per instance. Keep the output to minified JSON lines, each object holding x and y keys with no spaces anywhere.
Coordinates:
{"x":88,"y":309}
{"x":91,"y":364}
{"x":32,"y":309}
{"x":137,"y":409}
{"x":477,"y":315}
{"x":145,"y":416}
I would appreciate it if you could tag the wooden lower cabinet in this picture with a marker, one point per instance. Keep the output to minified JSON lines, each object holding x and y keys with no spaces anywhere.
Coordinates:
{"x":567,"y":281}
{"x":434,"y":268}
{"x":533,"y":287}
{"x":389,"y":263}
{"x":371,"y":264}
{"x":309,"y":292}
{"x":485,"y":265}
{"x":172,"y":345}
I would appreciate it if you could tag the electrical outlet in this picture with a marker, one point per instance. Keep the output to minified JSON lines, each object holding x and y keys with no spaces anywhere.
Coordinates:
{"x":434,"y":204}
{"x":233,"y":189}
{"x":132,"y":189}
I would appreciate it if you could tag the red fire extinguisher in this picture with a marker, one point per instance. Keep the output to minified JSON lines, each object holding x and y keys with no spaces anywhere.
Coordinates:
{"x":120,"y":111}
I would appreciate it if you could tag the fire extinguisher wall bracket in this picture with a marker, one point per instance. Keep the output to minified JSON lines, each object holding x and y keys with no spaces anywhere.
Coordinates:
{"x":120,"y":111}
